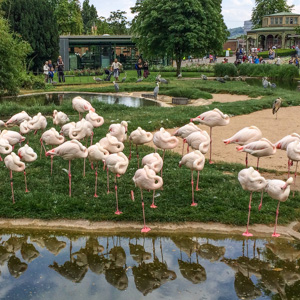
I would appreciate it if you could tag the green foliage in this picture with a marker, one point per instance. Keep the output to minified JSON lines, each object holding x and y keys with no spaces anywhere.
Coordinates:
{"x":89,"y":16}
{"x":267,"y":7}
{"x":179,"y":28}
{"x":190,"y":93}
{"x":31,"y":81}
{"x":189,"y":68}
{"x":279,"y":52}
{"x":13,"y":52}
{"x":34,"y":20}
{"x":118,"y":22}
{"x":225,"y":69}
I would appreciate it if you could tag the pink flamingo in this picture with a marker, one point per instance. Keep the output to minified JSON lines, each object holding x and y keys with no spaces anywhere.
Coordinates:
{"x":163,"y":140}
{"x":24,"y":129}
{"x":251,"y":180}
{"x":278,"y":190}
{"x":146,"y":179}
{"x":139,"y":137}
{"x":154,"y":162}
{"x":38,"y":122}
{"x":97,"y":153}
{"x":245,"y":136}
{"x":65,"y":129}
{"x":26,"y":154}
{"x":2,"y":124}
{"x":5,"y":147}
{"x":69,"y":150}
{"x":211,"y":119}
{"x":13,"y":163}
{"x":117,"y":163}
{"x":119,"y":131}
{"x":293,"y":153}
{"x":81,"y":105}
{"x":60,"y":118}
{"x":13,"y":137}
{"x":185,"y":131}
{"x":284,"y":142}
{"x":53,"y":138}
{"x":94,"y":119}
{"x":195,"y":162}
{"x":260,"y":148}
{"x":17,"y":119}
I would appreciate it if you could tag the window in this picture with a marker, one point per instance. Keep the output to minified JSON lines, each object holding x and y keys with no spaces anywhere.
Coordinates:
{"x":296,"y":20}
{"x":280,"y":20}
{"x":286,"y":20}
{"x":272,"y":21}
{"x":276,"y":20}
{"x":291,"y":20}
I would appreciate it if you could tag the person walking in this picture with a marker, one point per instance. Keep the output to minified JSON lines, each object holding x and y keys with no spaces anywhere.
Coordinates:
{"x":46,"y":71}
{"x":60,"y":69}
{"x":115,"y":67}
{"x":146,"y":69}
{"x":138,"y":67}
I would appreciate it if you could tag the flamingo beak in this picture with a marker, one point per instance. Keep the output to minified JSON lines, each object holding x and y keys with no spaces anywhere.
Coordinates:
{"x":278,"y":146}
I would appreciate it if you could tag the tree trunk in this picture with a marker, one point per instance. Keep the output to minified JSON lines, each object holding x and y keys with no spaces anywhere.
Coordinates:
{"x":178,"y":65}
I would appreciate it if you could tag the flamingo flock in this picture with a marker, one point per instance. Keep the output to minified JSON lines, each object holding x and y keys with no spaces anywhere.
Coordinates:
{"x":69,"y":145}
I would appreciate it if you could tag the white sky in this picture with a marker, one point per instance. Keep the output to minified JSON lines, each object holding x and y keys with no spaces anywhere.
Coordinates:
{"x":235,"y":11}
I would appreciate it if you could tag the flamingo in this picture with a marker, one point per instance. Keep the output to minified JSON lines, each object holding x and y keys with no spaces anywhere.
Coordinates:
{"x":251,"y":181}
{"x":278,"y":190}
{"x":185,"y":131}
{"x":13,"y":137}
{"x":26,"y":154}
{"x":260,"y":148}
{"x":65,"y":129}
{"x":53,"y":138}
{"x":81,"y":105}
{"x":38,"y":122}
{"x":163,"y":140}
{"x":60,"y":118}
{"x":146,"y":179}
{"x":117,"y":163}
{"x":211,"y":119}
{"x":293,"y":153}
{"x":13,"y":163}
{"x":24,"y":129}
{"x":245,"y":136}
{"x":284,"y":142}
{"x":68,"y":151}
{"x":195,"y":162}
{"x":18,"y":118}
{"x":139,"y":137}
{"x":2,"y":124}
{"x":94,"y":119}
{"x":5,"y":147}
{"x":119,"y":131}
{"x":154,"y":162}
{"x":97,"y":153}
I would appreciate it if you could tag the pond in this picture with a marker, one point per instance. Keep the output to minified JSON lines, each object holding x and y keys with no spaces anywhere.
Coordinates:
{"x":291,"y":85}
{"x":58,"y":99}
{"x":40,"y":265}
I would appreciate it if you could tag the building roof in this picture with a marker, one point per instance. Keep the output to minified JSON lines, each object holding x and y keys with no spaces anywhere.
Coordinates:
{"x":283,"y":14}
{"x":268,"y":29}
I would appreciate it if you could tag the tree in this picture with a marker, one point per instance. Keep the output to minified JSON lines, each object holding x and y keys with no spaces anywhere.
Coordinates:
{"x":89,"y":16}
{"x":13,"y":52}
{"x":117,"y":22}
{"x":102,"y":27}
{"x":267,"y":7}
{"x":179,"y":28}
{"x":34,"y":20}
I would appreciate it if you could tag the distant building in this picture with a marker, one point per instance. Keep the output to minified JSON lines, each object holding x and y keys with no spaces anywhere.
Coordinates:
{"x":248,"y":25}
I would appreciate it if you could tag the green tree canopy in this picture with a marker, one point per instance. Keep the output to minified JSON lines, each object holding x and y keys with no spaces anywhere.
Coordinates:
{"x":34,"y":20}
{"x":89,"y":16}
{"x":118,"y":22}
{"x":268,"y":7}
{"x":13,"y":52}
{"x":179,"y":28}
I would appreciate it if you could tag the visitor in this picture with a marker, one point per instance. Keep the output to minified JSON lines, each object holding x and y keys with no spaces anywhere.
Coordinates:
{"x":60,"y":69}
{"x":46,"y":72}
{"x":115,"y":67}
{"x":58,"y":60}
{"x":270,"y":53}
{"x":256,"y":60}
{"x":50,"y":64}
{"x":261,"y":60}
{"x":297,"y":61}
{"x":237,"y":54}
{"x":291,"y":61}
{"x":146,"y":69}
{"x":51,"y":74}
{"x":244,"y":57}
{"x":138,"y":67}
{"x":211,"y":58}
{"x":297,"y":50}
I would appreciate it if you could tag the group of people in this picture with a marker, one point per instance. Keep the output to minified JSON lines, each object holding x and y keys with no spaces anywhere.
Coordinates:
{"x":294,"y":61}
{"x":49,"y":70}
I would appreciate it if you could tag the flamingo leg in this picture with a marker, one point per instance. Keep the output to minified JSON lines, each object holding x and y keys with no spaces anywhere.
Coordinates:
{"x":107,"y":180}
{"x":1,"y":159}
{"x":197,"y":186}
{"x":129,"y":157}
{"x":289,"y":168}
{"x":84,"y":167}
{"x":145,"y":229}
{"x":210,"y":146}
{"x":51,"y":164}
{"x":257,"y":163}
{"x":117,"y":212}
{"x":92,"y":136}
{"x":12,"y":186}
{"x":188,"y":148}
{"x":26,"y":190}
{"x":96,"y":180}
{"x":247,"y":233}
{"x":277,"y":213}
{"x":137,"y":156}
{"x":183,"y":142}
{"x":42,"y":147}
{"x":295,"y":177}
{"x":192,"y":182}
{"x":246,"y":160}
{"x":70,"y":179}
{"x":153,"y":205}
{"x":261,"y":200}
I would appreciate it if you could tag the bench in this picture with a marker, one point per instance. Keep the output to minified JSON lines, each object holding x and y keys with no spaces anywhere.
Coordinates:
{"x":180,"y":101}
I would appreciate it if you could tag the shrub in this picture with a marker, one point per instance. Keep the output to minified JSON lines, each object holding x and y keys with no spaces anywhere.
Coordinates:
{"x":190,"y":68}
{"x":31,"y":81}
{"x":191,"y":93}
{"x":225,"y":69}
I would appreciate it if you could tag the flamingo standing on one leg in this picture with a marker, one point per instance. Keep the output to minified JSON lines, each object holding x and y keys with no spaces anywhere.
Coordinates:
{"x":69,"y":150}
{"x":251,"y":181}
{"x":117,"y":163}
{"x":13,"y":137}
{"x":146,"y":179}
{"x":65,"y":129}
{"x":60,"y":118}
{"x":260,"y":148}
{"x":27,"y":154}
{"x":94,"y":119}
{"x":195,"y":162}
{"x":293,"y":153}
{"x":38,"y":122}
{"x":284,"y":142}
{"x":13,"y":163}
{"x":81,"y":105}
{"x":24,"y":128}
{"x":53,"y":138}
{"x":139,"y":137}
{"x":245,"y":136}
{"x":97,"y":153}
{"x":5,"y":147}
{"x":211,"y":119}
{"x":154,"y":162}
{"x":18,"y":118}
{"x":278,"y":190}
{"x":163,"y":140}
{"x":185,"y":131}
{"x":119,"y":131}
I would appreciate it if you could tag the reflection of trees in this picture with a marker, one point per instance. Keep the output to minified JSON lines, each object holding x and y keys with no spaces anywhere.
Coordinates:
{"x":185,"y":244}
{"x":16,"y":267}
{"x":28,"y":252}
{"x":138,"y":252}
{"x":52,"y":244}
{"x":211,"y":252}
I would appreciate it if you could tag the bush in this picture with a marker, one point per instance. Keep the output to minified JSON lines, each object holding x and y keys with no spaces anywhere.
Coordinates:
{"x":191,"y":93}
{"x":31,"y":81}
{"x":279,"y":52}
{"x":225,"y":69}
{"x":190,"y":68}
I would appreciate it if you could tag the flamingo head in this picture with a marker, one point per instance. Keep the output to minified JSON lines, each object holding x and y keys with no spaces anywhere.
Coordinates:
{"x":278,"y":146}
{"x":51,"y":152}
{"x":287,"y":183}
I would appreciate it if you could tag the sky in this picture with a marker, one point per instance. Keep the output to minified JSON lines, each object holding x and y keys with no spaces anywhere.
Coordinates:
{"x":235,"y":12}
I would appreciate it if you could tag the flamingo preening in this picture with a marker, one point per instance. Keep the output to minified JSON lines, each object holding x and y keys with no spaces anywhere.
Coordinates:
{"x":81,"y":105}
